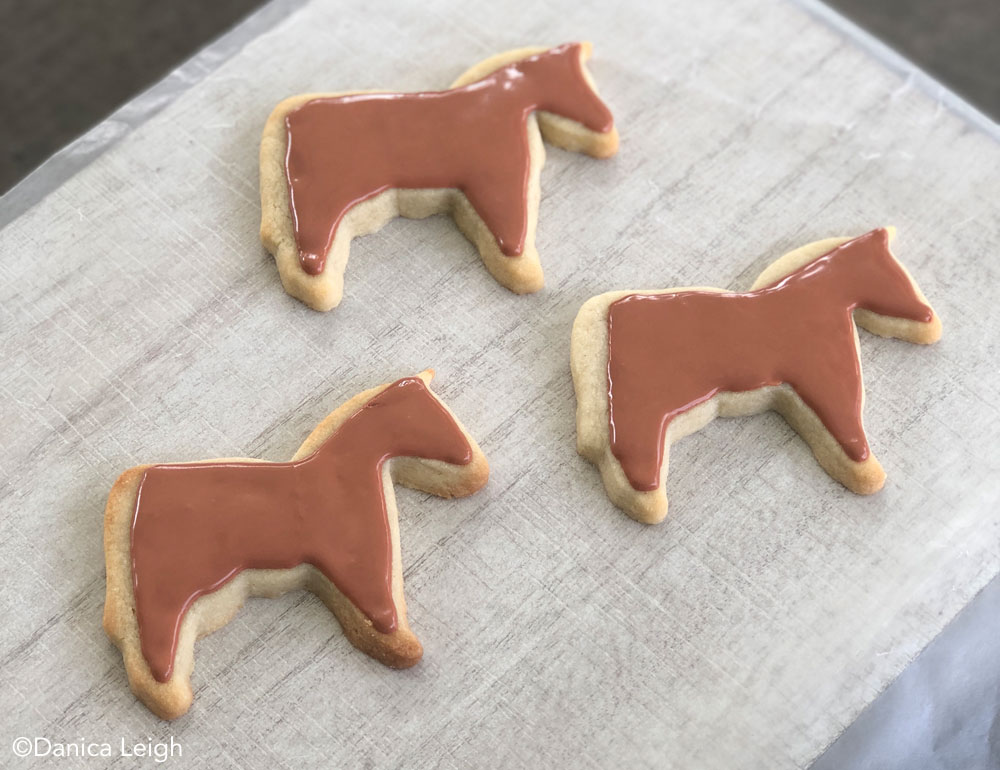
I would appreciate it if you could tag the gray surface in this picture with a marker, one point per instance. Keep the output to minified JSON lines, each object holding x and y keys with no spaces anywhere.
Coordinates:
{"x":85,"y":148}
{"x":67,"y":65}
{"x":95,"y":54}
{"x":956,"y":40}
{"x":750,"y":636}
{"x":942,"y":711}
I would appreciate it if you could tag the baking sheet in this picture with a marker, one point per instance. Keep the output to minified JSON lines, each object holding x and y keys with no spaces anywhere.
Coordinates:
{"x":84,"y":149}
{"x":941,"y":712}
{"x":142,"y":321}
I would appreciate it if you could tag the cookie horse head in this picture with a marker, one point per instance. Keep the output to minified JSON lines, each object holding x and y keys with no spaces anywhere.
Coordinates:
{"x":338,"y":165}
{"x":653,"y":367}
{"x":187,"y":543}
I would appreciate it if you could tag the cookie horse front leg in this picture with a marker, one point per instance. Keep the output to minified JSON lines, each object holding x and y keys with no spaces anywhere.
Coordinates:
{"x":814,"y":406}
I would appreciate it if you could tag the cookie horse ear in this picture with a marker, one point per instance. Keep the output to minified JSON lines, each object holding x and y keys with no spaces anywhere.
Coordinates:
{"x":426,"y":375}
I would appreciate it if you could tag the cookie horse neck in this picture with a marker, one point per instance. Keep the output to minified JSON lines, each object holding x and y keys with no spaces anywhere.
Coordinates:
{"x":670,"y":352}
{"x":344,"y":150}
{"x":197,"y":526}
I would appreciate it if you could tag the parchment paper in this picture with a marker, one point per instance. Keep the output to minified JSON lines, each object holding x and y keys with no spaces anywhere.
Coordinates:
{"x":140,"y":320}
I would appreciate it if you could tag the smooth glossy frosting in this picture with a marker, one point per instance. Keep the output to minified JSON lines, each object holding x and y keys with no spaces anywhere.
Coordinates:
{"x":343,"y":150}
{"x":196,"y":526}
{"x":670,"y":352}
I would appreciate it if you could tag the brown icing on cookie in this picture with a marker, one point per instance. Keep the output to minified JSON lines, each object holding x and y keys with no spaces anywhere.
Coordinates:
{"x":196,"y":526}
{"x":344,"y":150}
{"x":670,"y":352}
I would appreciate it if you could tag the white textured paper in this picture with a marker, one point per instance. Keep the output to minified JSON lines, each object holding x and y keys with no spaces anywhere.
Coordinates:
{"x":141,"y":320}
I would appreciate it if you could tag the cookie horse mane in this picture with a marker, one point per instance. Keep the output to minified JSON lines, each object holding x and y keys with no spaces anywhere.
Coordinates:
{"x":706,"y":352}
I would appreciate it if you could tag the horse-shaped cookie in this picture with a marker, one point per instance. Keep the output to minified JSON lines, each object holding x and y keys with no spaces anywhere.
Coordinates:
{"x":333,"y":166}
{"x":186,"y":544}
{"x":651,"y":367}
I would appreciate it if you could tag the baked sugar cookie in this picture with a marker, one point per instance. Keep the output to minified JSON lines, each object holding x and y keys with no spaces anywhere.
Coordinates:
{"x":335,"y":166}
{"x":651,"y":367}
{"x":186,"y":544}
